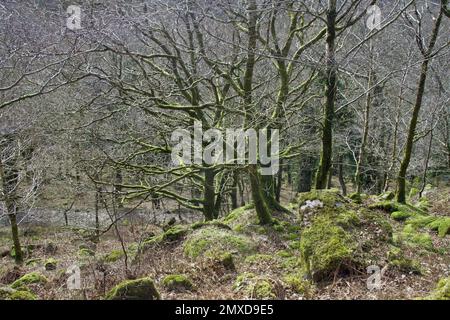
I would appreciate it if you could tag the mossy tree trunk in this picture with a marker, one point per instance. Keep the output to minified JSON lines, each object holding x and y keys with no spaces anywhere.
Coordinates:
{"x":427,"y":54}
{"x":257,"y":191}
{"x":330,"y":93}
{"x":9,"y":179}
{"x":209,"y":196}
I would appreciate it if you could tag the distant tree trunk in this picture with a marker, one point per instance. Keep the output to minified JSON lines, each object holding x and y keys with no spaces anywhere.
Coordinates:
{"x":362,"y":148}
{"x":330,"y":178}
{"x":234,"y":190}
{"x":209,"y":196}
{"x":330,"y":93}
{"x":341,"y":176}
{"x":427,"y":160}
{"x":118,"y":188}
{"x":98,"y":200}
{"x":9,"y":177}
{"x":279,"y":183}
{"x":401,"y":179}
{"x":305,"y":174}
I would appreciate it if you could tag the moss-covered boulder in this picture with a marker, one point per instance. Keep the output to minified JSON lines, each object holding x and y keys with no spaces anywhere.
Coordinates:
{"x":113,"y":256}
{"x":338,"y":237}
{"x":255,"y":287}
{"x":242,"y":218}
{"x":172,"y":234}
{"x":50,"y":264}
{"x":7,"y":293}
{"x":177,"y":282}
{"x":326,"y":247}
{"x":442,"y":291}
{"x":210,"y":241}
{"x":29,"y":278}
{"x":441,"y":225}
{"x":139,"y":289}
{"x":400,"y":215}
{"x":355,"y":197}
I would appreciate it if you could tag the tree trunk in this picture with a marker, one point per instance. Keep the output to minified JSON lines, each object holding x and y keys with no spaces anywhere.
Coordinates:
{"x":259,"y":200}
{"x":234,"y":190}
{"x":330,"y":93}
{"x":341,"y":176}
{"x":209,"y":195}
{"x":401,"y":179}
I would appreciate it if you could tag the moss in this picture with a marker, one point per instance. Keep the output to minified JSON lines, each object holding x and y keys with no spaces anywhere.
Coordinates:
{"x":387,"y":195}
{"x":225,"y":259}
{"x":171,"y":235}
{"x":175,"y":233}
{"x":29,"y":278}
{"x":403,"y":264}
{"x":33,"y":262}
{"x":329,"y":197}
{"x":442,"y":225}
{"x":7,"y":293}
{"x":325,"y":247}
{"x":400,"y":215}
{"x":22,"y":295}
{"x":140,"y":289}
{"x":442,"y":290}
{"x":113,"y":256}
{"x":412,"y":237}
{"x":291,"y":263}
{"x":413,"y":192}
{"x":50,"y":264}
{"x":296,"y":282}
{"x":254,"y":287}
{"x":284,"y":254}
{"x":421,"y":221}
{"x":85,"y":252}
{"x":423,"y":204}
{"x":259,"y":258}
{"x":388,"y":206}
{"x":347,"y":219}
{"x":240,"y":218}
{"x":177,"y":282}
{"x":215,"y":223}
{"x":210,"y":239}
{"x":355,"y":197}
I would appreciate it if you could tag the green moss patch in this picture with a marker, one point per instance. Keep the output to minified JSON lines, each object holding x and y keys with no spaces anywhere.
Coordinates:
{"x":50,"y":264}
{"x":410,"y":236}
{"x":326,"y":247}
{"x":113,"y":256}
{"x":139,"y":289}
{"x":177,"y":282}
{"x":297,"y":284}
{"x":442,"y":291}
{"x":210,"y":240}
{"x":254,"y":287}
{"x":7,"y":293}
{"x":403,"y":264}
{"x":29,"y":278}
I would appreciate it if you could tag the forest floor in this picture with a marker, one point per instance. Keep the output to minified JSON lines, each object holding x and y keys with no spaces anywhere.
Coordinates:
{"x":320,"y":250}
